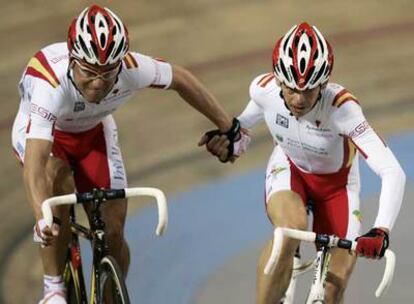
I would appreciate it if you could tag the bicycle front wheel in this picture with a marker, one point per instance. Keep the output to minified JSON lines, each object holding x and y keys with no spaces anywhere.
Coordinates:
{"x":111,"y":282}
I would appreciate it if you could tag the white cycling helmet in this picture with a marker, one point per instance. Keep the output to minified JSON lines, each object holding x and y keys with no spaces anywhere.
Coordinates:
{"x":98,"y":37}
{"x":303,"y":58}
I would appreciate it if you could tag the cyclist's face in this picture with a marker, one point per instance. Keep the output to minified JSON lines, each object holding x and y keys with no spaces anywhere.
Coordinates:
{"x":94,"y":81}
{"x":300,"y":102}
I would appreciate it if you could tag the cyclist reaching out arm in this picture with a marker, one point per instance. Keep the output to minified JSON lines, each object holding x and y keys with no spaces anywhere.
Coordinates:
{"x":314,"y":123}
{"x":66,"y":137}
{"x":351,"y":123}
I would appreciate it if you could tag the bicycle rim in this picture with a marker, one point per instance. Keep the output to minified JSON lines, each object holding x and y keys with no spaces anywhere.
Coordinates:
{"x":110,"y":276}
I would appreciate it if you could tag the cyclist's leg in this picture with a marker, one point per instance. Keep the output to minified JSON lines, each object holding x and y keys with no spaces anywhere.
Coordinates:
{"x":60,"y":178}
{"x":339,"y":215}
{"x":285,"y":208}
{"x":114,"y":215}
{"x":103,"y":167}
{"x":340,"y":270}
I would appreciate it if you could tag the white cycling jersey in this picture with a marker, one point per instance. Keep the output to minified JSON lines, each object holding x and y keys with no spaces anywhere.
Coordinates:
{"x":328,"y":138}
{"x":49,"y":98}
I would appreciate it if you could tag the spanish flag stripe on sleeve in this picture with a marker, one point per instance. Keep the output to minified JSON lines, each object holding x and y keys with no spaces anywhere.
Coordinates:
{"x":348,"y":98}
{"x":263,"y":78}
{"x":267,"y":81}
{"x":134,"y":62}
{"x":343,"y":97}
{"x":130,"y":61}
{"x":127,"y":63}
{"x":39,"y":67}
{"x":339,"y":96}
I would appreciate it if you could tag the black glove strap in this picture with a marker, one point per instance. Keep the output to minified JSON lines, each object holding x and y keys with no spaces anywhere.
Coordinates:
{"x":233,"y":134}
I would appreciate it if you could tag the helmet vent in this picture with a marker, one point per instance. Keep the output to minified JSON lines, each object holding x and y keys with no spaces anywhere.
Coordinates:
{"x":295,"y":76}
{"x":95,"y":49}
{"x":83,"y":45}
{"x":101,"y":24}
{"x":119,"y":49}
{"x":114,"y":31}
{"x":82,"y":22}
{"x":320,"y":73}
{"x":327,"y":68}
{"x":93,"y":18}
{"x":88,"y":30}
{"x":302,"y":65}
{"x":111,"y":46}
{"x":303,"y":48}
{"x":282,"y":67}
{"x":119,"y":25}
{"x":296,"y":41}
{"x":102,"y":39}
{"x":322,"y":47}
{"x":309,"y":75}
{"x":290,"y":53}
{"x":310,"y":41}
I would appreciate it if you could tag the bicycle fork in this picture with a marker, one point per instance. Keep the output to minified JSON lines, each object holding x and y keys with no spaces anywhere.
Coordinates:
{"x":317,"y":290}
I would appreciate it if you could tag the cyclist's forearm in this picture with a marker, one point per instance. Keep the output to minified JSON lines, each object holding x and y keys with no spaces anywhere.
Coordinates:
{"x":34,"y":173}
{"x":197,"y":95}
{"x":36,"y":189}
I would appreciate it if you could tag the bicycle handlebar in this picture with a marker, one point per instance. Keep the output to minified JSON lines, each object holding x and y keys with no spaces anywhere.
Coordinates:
{"x":110,"y":194}
{"x":329,"y":241}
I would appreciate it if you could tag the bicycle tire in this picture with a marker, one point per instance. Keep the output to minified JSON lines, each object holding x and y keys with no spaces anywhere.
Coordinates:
{"x":109,"y":269}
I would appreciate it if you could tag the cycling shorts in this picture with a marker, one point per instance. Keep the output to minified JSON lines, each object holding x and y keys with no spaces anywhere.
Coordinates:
{"x":94,"y":155}
{"x":334,"y":196}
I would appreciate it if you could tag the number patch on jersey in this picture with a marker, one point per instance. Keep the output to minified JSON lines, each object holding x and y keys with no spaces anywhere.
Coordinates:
{"x":282,"y":121}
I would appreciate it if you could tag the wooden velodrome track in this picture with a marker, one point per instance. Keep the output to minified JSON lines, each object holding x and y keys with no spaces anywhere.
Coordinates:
{"x":226,"y":44}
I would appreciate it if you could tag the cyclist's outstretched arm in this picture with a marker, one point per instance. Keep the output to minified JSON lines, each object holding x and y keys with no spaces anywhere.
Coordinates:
{"x":199,"y":97}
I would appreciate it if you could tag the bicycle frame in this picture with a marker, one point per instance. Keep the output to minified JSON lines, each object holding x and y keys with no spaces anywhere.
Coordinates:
{"x":321,"y":264}
{"x":96,"y":234}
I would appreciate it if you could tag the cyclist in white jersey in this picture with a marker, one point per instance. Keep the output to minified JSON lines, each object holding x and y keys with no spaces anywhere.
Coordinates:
{"x":66,"y":137}
{"x":319,"y":132}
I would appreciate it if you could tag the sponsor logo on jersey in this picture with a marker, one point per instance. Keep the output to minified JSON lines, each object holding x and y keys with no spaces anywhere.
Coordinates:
{"x":79,"y":106}
{"x":359,"y":129}
{"x":320,"y":132}
{"x":282,"y":121}
{"x":42,"y":112}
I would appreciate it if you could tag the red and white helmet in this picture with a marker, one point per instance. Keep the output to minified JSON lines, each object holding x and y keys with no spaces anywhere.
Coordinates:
{"x":98,"y":36}
{"x":303,"y":58}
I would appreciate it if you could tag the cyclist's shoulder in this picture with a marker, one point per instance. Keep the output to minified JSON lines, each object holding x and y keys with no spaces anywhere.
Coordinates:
{"x":263,"y":85}
{"x":340,"y":104}
{"x":134,"y":61}
{"x":49,"y":65}
{"x":337,"y":96}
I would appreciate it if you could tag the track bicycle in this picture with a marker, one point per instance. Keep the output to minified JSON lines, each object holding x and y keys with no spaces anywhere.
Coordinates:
{"x":106,"y":275}
{"x":320,"y":264}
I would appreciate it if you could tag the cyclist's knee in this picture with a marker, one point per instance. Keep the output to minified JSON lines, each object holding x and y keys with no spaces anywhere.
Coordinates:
{"x":286,"y":209}
{"x":335,"y":288}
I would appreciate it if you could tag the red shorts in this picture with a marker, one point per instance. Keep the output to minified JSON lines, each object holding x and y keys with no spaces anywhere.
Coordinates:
{"x":94,"y":155}
{"x":334,"y":197}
